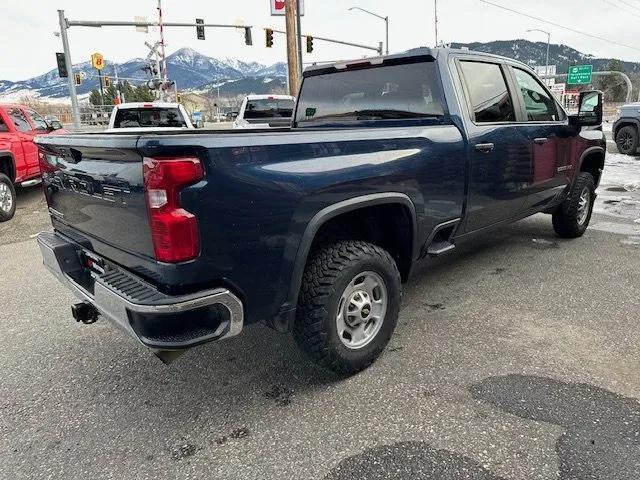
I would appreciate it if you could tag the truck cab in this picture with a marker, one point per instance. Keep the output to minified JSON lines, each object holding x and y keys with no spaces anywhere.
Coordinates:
{"x":19,"y":164}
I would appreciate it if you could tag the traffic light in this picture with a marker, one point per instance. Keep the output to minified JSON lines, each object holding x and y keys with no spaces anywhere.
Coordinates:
{"x":62,"y":65}
{"x":248,"y":40}
{"x":200,"y":30}
{"x":77,"y":79}
{"x":269,"y":36}
{"x":179,"y":97}
{"x":309,"y":44}
{"x":107,"y":81}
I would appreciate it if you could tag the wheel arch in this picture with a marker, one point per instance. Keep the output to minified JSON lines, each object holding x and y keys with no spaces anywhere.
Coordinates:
{"x":285,"y":318}
{"x":592,"y":161}
{"x":8,"y":164}
{"x":625,"y":122}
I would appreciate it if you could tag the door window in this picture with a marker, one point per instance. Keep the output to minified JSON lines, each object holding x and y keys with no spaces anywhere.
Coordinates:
{"x":488,"y":92}
{"x":540,"y":106}
{"x":38,"y":120}
{"x":19,"y":119}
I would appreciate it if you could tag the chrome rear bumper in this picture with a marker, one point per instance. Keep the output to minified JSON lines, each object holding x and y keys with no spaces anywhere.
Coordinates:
{"x":159,"y":321}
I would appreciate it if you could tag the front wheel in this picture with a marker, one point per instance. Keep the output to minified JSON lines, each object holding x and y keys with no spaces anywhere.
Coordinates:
{"x":571,"y":219}
{"x":7,"y":198}
{"x":348,"y":305}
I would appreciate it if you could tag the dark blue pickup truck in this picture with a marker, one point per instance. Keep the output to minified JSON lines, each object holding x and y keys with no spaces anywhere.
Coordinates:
{"x":182,"y":238}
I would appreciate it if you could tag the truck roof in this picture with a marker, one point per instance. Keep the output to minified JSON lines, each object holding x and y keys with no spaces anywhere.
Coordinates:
{"x":412,"y":53}
{"x":147,"y":105}
{"x":270,"y":97}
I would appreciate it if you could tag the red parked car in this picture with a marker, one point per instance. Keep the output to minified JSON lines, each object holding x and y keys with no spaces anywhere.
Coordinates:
{"x":19,"y":125}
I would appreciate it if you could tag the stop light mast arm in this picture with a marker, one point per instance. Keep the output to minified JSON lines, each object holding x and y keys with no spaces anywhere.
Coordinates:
{"x":377,"y":49}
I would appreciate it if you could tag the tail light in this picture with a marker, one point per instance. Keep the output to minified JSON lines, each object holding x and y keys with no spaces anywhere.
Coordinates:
{"x":174,"y":230}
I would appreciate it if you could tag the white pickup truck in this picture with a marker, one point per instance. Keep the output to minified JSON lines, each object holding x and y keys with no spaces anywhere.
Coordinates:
{"x":149,"y":116}
{"x":264,"y":111}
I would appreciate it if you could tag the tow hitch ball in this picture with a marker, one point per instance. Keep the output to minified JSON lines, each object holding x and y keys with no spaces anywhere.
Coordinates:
{"x":85,"y":312}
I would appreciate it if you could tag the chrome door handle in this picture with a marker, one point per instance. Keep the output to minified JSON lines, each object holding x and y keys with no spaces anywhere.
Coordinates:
{"x":485,"y":147}
{"x":540,"y":141}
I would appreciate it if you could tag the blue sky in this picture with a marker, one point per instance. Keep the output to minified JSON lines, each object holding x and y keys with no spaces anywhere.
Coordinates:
{"x":29,"y":46}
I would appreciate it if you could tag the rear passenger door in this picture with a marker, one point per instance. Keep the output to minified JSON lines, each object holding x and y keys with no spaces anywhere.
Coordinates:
{"x":500,"y":151}
{"x":547,"y":128}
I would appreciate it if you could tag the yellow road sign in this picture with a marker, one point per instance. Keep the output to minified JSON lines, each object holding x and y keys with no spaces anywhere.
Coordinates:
{"x":97,"y":60}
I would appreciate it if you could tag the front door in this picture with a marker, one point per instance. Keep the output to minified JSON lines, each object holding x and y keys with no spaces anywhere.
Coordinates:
{"x":500,"y":151}
{"x":26,"y":134}
{"x":547,"y":128}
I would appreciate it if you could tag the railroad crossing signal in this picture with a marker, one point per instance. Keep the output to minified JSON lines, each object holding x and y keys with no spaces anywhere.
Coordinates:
{"x":62,"y":65}
{"x":77,"y":79}
{"x":97,"y":61}
{"x":309,"y":44}
{"x":200,"y":30}
{"x":107,"y":81}
{"x":269,"y":37}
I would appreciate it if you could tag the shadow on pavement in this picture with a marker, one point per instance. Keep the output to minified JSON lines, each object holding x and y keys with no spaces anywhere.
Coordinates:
{"x":602,"y":429}
{"x":409,"y":461}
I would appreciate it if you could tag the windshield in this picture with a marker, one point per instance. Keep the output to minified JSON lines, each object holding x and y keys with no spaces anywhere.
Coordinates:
{"x":378,"y":93}
{"x":148,"y":117}
{"x":269,"y":108}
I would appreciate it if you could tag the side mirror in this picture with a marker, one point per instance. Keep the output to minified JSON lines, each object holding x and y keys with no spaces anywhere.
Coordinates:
{"x":55,"y":125}
{"x":589,"y":109}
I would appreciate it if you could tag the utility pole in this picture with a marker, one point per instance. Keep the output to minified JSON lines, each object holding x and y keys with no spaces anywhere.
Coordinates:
{"x":163,"y":66}
{"x":70,"y":78}
{"x":435,"y":17}
{"x":299,"y":37}
{"x":292,"y":47}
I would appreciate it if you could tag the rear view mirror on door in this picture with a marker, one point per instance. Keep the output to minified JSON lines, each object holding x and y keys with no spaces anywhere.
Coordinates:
{"x":590,"y":109}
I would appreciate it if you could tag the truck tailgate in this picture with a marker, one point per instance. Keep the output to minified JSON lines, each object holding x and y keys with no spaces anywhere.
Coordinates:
{"x":94,"y":185}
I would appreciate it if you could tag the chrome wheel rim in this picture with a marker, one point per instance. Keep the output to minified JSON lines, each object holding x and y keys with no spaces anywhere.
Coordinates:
{"x":583,"y":205}
{"x":6,"y":198}
{"x":361,"y":310}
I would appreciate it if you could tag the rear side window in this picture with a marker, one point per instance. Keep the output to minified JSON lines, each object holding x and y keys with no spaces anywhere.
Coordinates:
{"x":377,"y":93}
{"x":269,"y":108}
{"x":538,"y":103}
{"x":488,"y":92}
{"x":148,"y":117}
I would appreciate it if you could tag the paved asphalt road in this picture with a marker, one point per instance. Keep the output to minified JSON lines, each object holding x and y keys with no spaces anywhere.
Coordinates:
{"x":516,"y":357}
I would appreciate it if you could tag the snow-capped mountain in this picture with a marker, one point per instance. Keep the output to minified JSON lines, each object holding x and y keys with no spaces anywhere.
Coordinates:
{"x":190,"y":70}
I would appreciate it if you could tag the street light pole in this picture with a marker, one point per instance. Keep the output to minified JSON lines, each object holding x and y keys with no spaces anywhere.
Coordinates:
{"x":386,"y":22}
{"x":546,"y":65}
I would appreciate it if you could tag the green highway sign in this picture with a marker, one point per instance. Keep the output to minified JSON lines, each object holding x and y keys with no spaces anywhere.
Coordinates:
{"x":580,"y":75}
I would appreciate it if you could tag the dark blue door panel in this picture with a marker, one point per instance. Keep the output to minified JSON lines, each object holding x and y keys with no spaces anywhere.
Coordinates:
{"x":499,"y":176}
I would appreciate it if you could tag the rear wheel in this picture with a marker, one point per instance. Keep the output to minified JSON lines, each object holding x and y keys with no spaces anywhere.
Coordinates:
{"x":571,"y":219}
{"x":7,"y":198}
{"x":627,"y":140}
{"x":348,"y":305}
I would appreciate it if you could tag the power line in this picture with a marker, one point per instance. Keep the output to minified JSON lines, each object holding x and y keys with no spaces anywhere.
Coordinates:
{"x":622,"y":8}
{"x":624,"y":2}
{"x":549,"y":22}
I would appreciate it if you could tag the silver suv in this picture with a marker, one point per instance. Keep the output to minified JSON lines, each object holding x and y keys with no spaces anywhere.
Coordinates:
{"x":626,"y":129}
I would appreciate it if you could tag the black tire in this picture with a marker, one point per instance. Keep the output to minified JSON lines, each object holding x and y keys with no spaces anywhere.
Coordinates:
{"x":567,"y":219}
{"x":7,"y":194}
{"x":627,"y":140}
{"x":327,"y":276}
